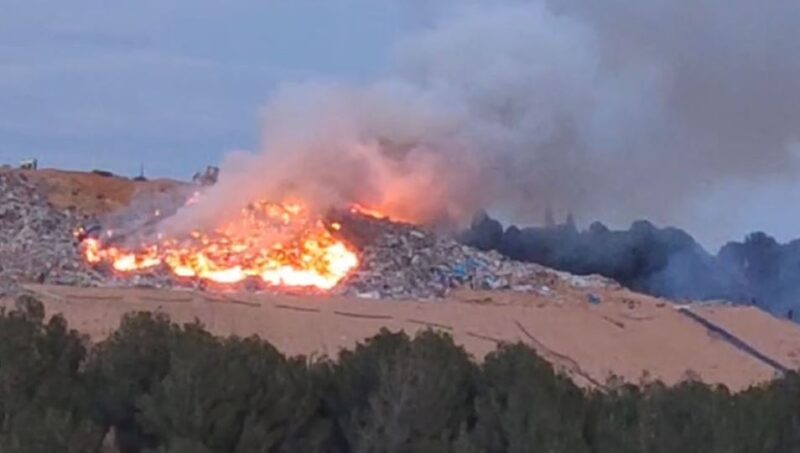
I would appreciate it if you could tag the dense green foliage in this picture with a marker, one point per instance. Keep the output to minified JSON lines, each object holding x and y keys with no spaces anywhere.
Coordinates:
{"x":154,"y":386}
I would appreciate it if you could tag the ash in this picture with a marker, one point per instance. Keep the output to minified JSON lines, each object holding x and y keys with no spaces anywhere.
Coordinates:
{"x":397,"y":260}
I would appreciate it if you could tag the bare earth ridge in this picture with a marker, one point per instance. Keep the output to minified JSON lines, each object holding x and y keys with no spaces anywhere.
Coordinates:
{"x":93,"y":194}
{"x":628,"y":335}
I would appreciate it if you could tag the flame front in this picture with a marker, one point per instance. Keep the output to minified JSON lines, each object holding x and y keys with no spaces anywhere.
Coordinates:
{"x":277,"y":243}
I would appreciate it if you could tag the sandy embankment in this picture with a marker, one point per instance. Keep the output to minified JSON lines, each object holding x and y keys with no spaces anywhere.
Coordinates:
{"x":627,"y":334}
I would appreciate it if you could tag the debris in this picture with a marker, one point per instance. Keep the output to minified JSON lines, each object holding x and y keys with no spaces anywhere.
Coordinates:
{"x":29,"y":164}
{"x":593,"y":299}
{"x":208,"y":177}
{"x":586,"y":281}
{"x":397,"y":260}
{"x":36,"y":240}
{"x":103,"y":173}
{"x":400,"y":261}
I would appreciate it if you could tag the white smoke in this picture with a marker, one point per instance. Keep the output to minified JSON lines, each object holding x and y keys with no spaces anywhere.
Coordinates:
{"x":615,"y":110}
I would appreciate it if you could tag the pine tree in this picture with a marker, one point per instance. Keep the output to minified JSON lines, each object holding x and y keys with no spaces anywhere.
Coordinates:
{"x":524,"y":406}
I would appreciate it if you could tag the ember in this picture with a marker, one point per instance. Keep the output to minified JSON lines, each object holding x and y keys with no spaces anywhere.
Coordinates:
{"x":358,"y":209}
{"x":280,"y":244}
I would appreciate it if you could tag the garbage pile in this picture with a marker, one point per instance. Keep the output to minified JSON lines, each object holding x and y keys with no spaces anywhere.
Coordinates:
{"x":36,"y":241}
{"x":402,"y":261}
{"x":397,"y":260}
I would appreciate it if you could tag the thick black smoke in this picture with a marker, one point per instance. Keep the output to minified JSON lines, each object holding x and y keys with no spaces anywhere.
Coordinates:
{"x":665,"y":262}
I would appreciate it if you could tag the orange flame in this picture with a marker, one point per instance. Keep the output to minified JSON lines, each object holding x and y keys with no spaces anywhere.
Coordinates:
{"x":379,"y":214}
{"x":369,"y":212}
{"x":277,"y":243}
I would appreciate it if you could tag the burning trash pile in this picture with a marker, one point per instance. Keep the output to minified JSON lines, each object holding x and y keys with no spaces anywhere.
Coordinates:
{"x":272,"y":247}
{"x":283,"y":247}
{"x":269,"y":245}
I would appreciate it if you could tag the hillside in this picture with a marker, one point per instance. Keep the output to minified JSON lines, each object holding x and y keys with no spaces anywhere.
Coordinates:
{"x":590,"y":328}
{"x":93,"y":194}
{"x":627,"y":334}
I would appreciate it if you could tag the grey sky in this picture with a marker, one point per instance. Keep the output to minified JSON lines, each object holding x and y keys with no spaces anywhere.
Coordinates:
{"x":173,"y":84}
{"x":176,"y":84}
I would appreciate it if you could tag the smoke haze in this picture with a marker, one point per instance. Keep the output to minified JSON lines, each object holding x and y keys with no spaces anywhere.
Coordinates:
{"x":613,"y":110}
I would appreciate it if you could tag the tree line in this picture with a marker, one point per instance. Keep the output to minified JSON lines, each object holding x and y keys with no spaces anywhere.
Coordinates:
{"x":665,"y":262}
{"x":156,"y":386}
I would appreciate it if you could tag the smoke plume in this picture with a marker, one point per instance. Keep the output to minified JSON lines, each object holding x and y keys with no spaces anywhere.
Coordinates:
{"x":615,"y":110}
{"x":665,"y":262}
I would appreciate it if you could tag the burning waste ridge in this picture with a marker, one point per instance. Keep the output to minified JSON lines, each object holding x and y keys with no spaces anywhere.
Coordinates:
{"x":269,"y":245}
{"x":287,"y":247}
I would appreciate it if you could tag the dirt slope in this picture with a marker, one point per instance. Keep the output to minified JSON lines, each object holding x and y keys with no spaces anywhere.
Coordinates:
{"x":92,"y":194}
{"x":627,"y":334}
{"x":778,"y":338}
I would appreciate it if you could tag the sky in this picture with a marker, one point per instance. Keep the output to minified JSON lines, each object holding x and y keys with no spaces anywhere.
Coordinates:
{"x":176,"y":85}
{"x":173,"y":85}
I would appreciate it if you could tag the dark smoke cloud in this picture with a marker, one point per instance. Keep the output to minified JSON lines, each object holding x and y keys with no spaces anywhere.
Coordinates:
{"x":615,"y":110}
{"x":665,"y":262}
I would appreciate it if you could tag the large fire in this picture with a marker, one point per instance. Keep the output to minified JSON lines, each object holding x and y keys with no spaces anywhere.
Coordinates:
{"x":279,"y":243}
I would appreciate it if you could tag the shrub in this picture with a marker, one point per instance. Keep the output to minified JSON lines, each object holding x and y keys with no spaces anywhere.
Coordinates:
{"x":523,"y":405}
{"x":167,"y":388}
{"x":43,"y":394}
{"x":395,"y":394}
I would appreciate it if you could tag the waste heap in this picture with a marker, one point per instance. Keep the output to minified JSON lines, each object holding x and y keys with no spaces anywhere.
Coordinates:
{"x":397,"y":260}
{"x":402,"y":261}
{"x":36,"y":241}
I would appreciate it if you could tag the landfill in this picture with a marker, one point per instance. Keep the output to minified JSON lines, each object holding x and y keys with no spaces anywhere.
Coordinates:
{"x":397,"y":260}
{"x":400,"y":261}
{"x":36,"y":240}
